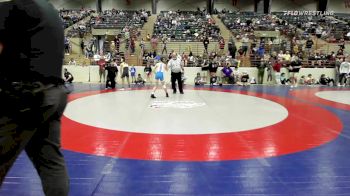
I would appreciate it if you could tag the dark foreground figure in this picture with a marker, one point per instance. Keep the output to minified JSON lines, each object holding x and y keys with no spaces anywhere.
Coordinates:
{"x":32,"y":95}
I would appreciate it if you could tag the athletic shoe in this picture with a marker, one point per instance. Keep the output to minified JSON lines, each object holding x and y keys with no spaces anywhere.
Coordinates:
{"x":167,"y":95}
{"x":152,"y":96}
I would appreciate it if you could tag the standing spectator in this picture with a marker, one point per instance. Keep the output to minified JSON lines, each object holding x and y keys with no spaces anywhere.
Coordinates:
{"x":133,"y":73}
{"x":294,"y":68}
{"x":132,"y":46}
{"x":117,"y":43}
{"x":213,"y":67}
{"x":176,"y":68}
{"x":82,"y":46}
{"x":154,"y":43}
{"x":148,"y":72}
{"x":124,"y":68}
{"x":206,"y":43}
{"x":67,"y":45}
{"x":245,"y":44}
{"x":142,"y":46}
{"x":269,"y":72}
{"x":165,"y":41}
{"x":222,"y":45}
{"x":261,"y":50}
{"x":261,"y":70}
{"x":337,"y":69}
{"x":277,"y":69}
{"x":102,"y":68}
{"x":232,"y":49}
{"x":344,"y":70}
{"x":308,"y":46}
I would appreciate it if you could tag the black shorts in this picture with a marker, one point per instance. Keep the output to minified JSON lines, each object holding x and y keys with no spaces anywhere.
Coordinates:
{"x":205,"y":68}
{"x":125,"y":74}
{"x":294,"y":70}
{"x":213,"y":69}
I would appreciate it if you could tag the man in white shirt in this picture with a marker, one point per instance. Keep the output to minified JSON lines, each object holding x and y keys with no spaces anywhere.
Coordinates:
{"x":344,"y":70}
{"x":176,"y":67}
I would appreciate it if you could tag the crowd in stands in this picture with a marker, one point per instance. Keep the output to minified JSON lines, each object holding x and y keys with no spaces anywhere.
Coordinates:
{"x":297,"y":49}
{"x":325,"y":27}
{"x":70,"y":17}
{"x":119,"y":19}
{"x":186,"y":26}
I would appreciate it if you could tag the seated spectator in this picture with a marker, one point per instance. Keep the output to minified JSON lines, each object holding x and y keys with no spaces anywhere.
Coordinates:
{"x":284,"y":79}
{"x":302,"y":80}
{"x":309,"y":80}
{"x":326,"y":80}
{"x":214,"y":80}
{"x":68,"y":77}
{"x":244,"y":79}
{"x":252,"y":81}
{"x":198,"y":80}
{"x":72,"y":62}
{"x":227,"y":74}
{"x":139,"y":80}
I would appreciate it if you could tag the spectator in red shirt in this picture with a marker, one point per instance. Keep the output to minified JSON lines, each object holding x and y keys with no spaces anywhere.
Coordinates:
{"x":102,"y":68}
{"x":132,"y":46}
{"x":277,"y":69}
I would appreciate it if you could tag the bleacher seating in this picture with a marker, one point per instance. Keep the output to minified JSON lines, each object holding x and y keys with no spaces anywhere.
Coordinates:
{"x":70,"y":17}
{"x":185,"y":26}
{"x":118,"y":19}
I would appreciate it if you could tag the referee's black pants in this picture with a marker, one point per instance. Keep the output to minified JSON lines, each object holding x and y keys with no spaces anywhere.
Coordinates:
{"x":176,"y":77}
{"x":38,"y":132}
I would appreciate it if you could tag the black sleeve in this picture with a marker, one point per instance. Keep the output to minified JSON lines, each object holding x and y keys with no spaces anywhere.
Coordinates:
{"x":32,"y":33}
{"x":5,"y":8}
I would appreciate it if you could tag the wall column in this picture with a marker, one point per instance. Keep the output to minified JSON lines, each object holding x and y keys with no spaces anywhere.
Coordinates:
{"x":99,"y":6}
{"x":210,"y":6}
{"x":154,"y":6}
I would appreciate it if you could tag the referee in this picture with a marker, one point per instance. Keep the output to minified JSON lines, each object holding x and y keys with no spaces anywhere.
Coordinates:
{"x":176,"y":67}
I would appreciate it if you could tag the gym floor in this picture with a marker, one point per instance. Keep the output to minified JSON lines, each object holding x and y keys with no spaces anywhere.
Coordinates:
{"x":230,"y":140}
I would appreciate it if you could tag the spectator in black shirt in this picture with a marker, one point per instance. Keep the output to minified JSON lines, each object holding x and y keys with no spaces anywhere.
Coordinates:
{"x":68,"y":77}
{"x":206,"y":43}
